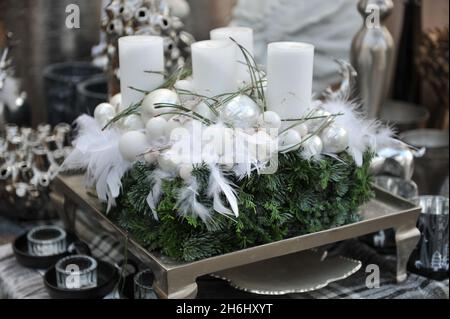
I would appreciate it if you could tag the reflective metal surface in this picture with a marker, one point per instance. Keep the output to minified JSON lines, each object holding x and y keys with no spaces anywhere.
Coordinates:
{"x":373,"y":54}
{"x":296,"y":273}
{"x":178,"y":280}
{"x":432,"y":169}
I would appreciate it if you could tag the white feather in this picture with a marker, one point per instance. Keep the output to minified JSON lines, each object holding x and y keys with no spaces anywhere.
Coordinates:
{"x":219,"y":184}
{"x":156,"y":178}
{"x":188,"y":205}
{"x":97,"y":152}
{"x":364,"y":134}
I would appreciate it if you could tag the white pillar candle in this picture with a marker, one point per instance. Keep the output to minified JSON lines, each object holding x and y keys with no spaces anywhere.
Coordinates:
{"x":289,"y":78}
{"x":214,"y":67}
{"x":243,"y":36}
{"x":138,"y":54}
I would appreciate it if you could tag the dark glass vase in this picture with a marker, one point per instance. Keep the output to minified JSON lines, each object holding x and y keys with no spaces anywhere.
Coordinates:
{"x":91,"y":93}
{"x":61,"y":82}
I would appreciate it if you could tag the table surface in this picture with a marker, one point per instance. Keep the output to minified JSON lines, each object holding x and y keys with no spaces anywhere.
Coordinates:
{"x":18,"y":282}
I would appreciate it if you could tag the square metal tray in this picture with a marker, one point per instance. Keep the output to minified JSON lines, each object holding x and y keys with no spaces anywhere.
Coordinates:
{"x":178,"y":280}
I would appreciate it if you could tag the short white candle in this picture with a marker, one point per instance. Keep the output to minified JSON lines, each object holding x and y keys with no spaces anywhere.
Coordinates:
{"x":214,"y":67}
{"x":138,"y":54}
{"x":243,"y":36}
{"x":289,"y":78}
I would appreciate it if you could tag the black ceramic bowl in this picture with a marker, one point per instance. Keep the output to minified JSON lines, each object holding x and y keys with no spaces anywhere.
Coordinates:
{"x":107,"y":278}
{"x":20,"y":248}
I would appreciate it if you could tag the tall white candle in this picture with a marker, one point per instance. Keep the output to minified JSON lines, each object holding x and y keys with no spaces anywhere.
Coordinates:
{"x":138,"y":54}
{"x":214,"y":67}
{"x":243,"y":36}
{"x":289,"y":78}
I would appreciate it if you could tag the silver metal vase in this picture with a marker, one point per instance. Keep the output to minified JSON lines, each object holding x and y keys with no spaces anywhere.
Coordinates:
{"x":373,"y":55}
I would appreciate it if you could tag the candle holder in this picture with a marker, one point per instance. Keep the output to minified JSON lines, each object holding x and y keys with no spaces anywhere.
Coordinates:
{"x":47,"y":241}
{"x":143,"y":285}
{"x":76,"y":272}
{"x":431,"y":256}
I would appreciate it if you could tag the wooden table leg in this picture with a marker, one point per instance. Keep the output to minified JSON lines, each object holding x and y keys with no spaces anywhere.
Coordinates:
{"x":406,"y":238}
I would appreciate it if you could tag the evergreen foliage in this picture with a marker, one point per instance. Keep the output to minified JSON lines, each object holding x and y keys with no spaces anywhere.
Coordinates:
{"x":302,"y":197}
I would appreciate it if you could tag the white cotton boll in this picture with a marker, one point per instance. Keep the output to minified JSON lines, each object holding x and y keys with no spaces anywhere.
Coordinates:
{"x":289,"y":141}
{"x":205,"y":111}
{"x":116,"y":101}
{"x":335,"y":139}
{"x":161,"y":96}
{"x":104,"y":113}
{"x":186,"y":172}
{"x":132,"y":144}
{"x":270,"y":119}
{"x":312,"y":147}
{"x":132,"y":123}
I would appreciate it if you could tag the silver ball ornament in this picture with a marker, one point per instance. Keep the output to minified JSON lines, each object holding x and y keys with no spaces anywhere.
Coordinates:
{"x":321,"y":117}
{"x":311,"y":147}
{"x":270,"y":120}
{"x":205,"y":111}
{"x":289,"y":141}
{"x":103,"y":113}
{"x":132,"y":123}
{"x":335,"y":139}
{"x":161,"y":96}
{"x":241,"y":112}
{"x":156,"y":129}
{"x":132,"y":144}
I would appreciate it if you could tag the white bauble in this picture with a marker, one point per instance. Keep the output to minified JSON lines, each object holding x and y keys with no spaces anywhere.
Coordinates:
{"x":205,"y":111}
{"x":186,"y":172}
{"x":312,"y":146}
{"x":241,"y":112}
{"x":172,"y":124}
{"x":185,"y":85}
{"x":151,"y":158}
{"x":116,"y":101}
{"x":321,"y":118}
{"x":132,"y":144}
{"x":156,"y":129}
{"x":167,"y":162}
{"x":289,"y":141}
{"x":160,"y":96}
{"x":219,"y":138}
{"x":261,"y":146}
{"x":335,"y":139}
{"x":104,"y":113}
{"x":269,"y":120}
{"x":302,"y":129}
{"x":132,"y":123}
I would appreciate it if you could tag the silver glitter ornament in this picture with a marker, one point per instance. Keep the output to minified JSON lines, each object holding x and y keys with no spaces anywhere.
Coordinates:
{"x":335,"y":139}
{"x":241,"y":112}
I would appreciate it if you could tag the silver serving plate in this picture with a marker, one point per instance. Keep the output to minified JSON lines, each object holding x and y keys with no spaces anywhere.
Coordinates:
{"x":297,"y":273}
{"x":176,"y":280}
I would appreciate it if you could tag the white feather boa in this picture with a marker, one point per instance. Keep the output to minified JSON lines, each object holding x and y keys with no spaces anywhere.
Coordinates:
{"x":97,"y":152}
{"x":364,"y":134}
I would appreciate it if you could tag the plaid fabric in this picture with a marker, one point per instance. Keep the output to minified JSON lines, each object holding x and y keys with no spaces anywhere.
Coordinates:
{"x":19,"y":282}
